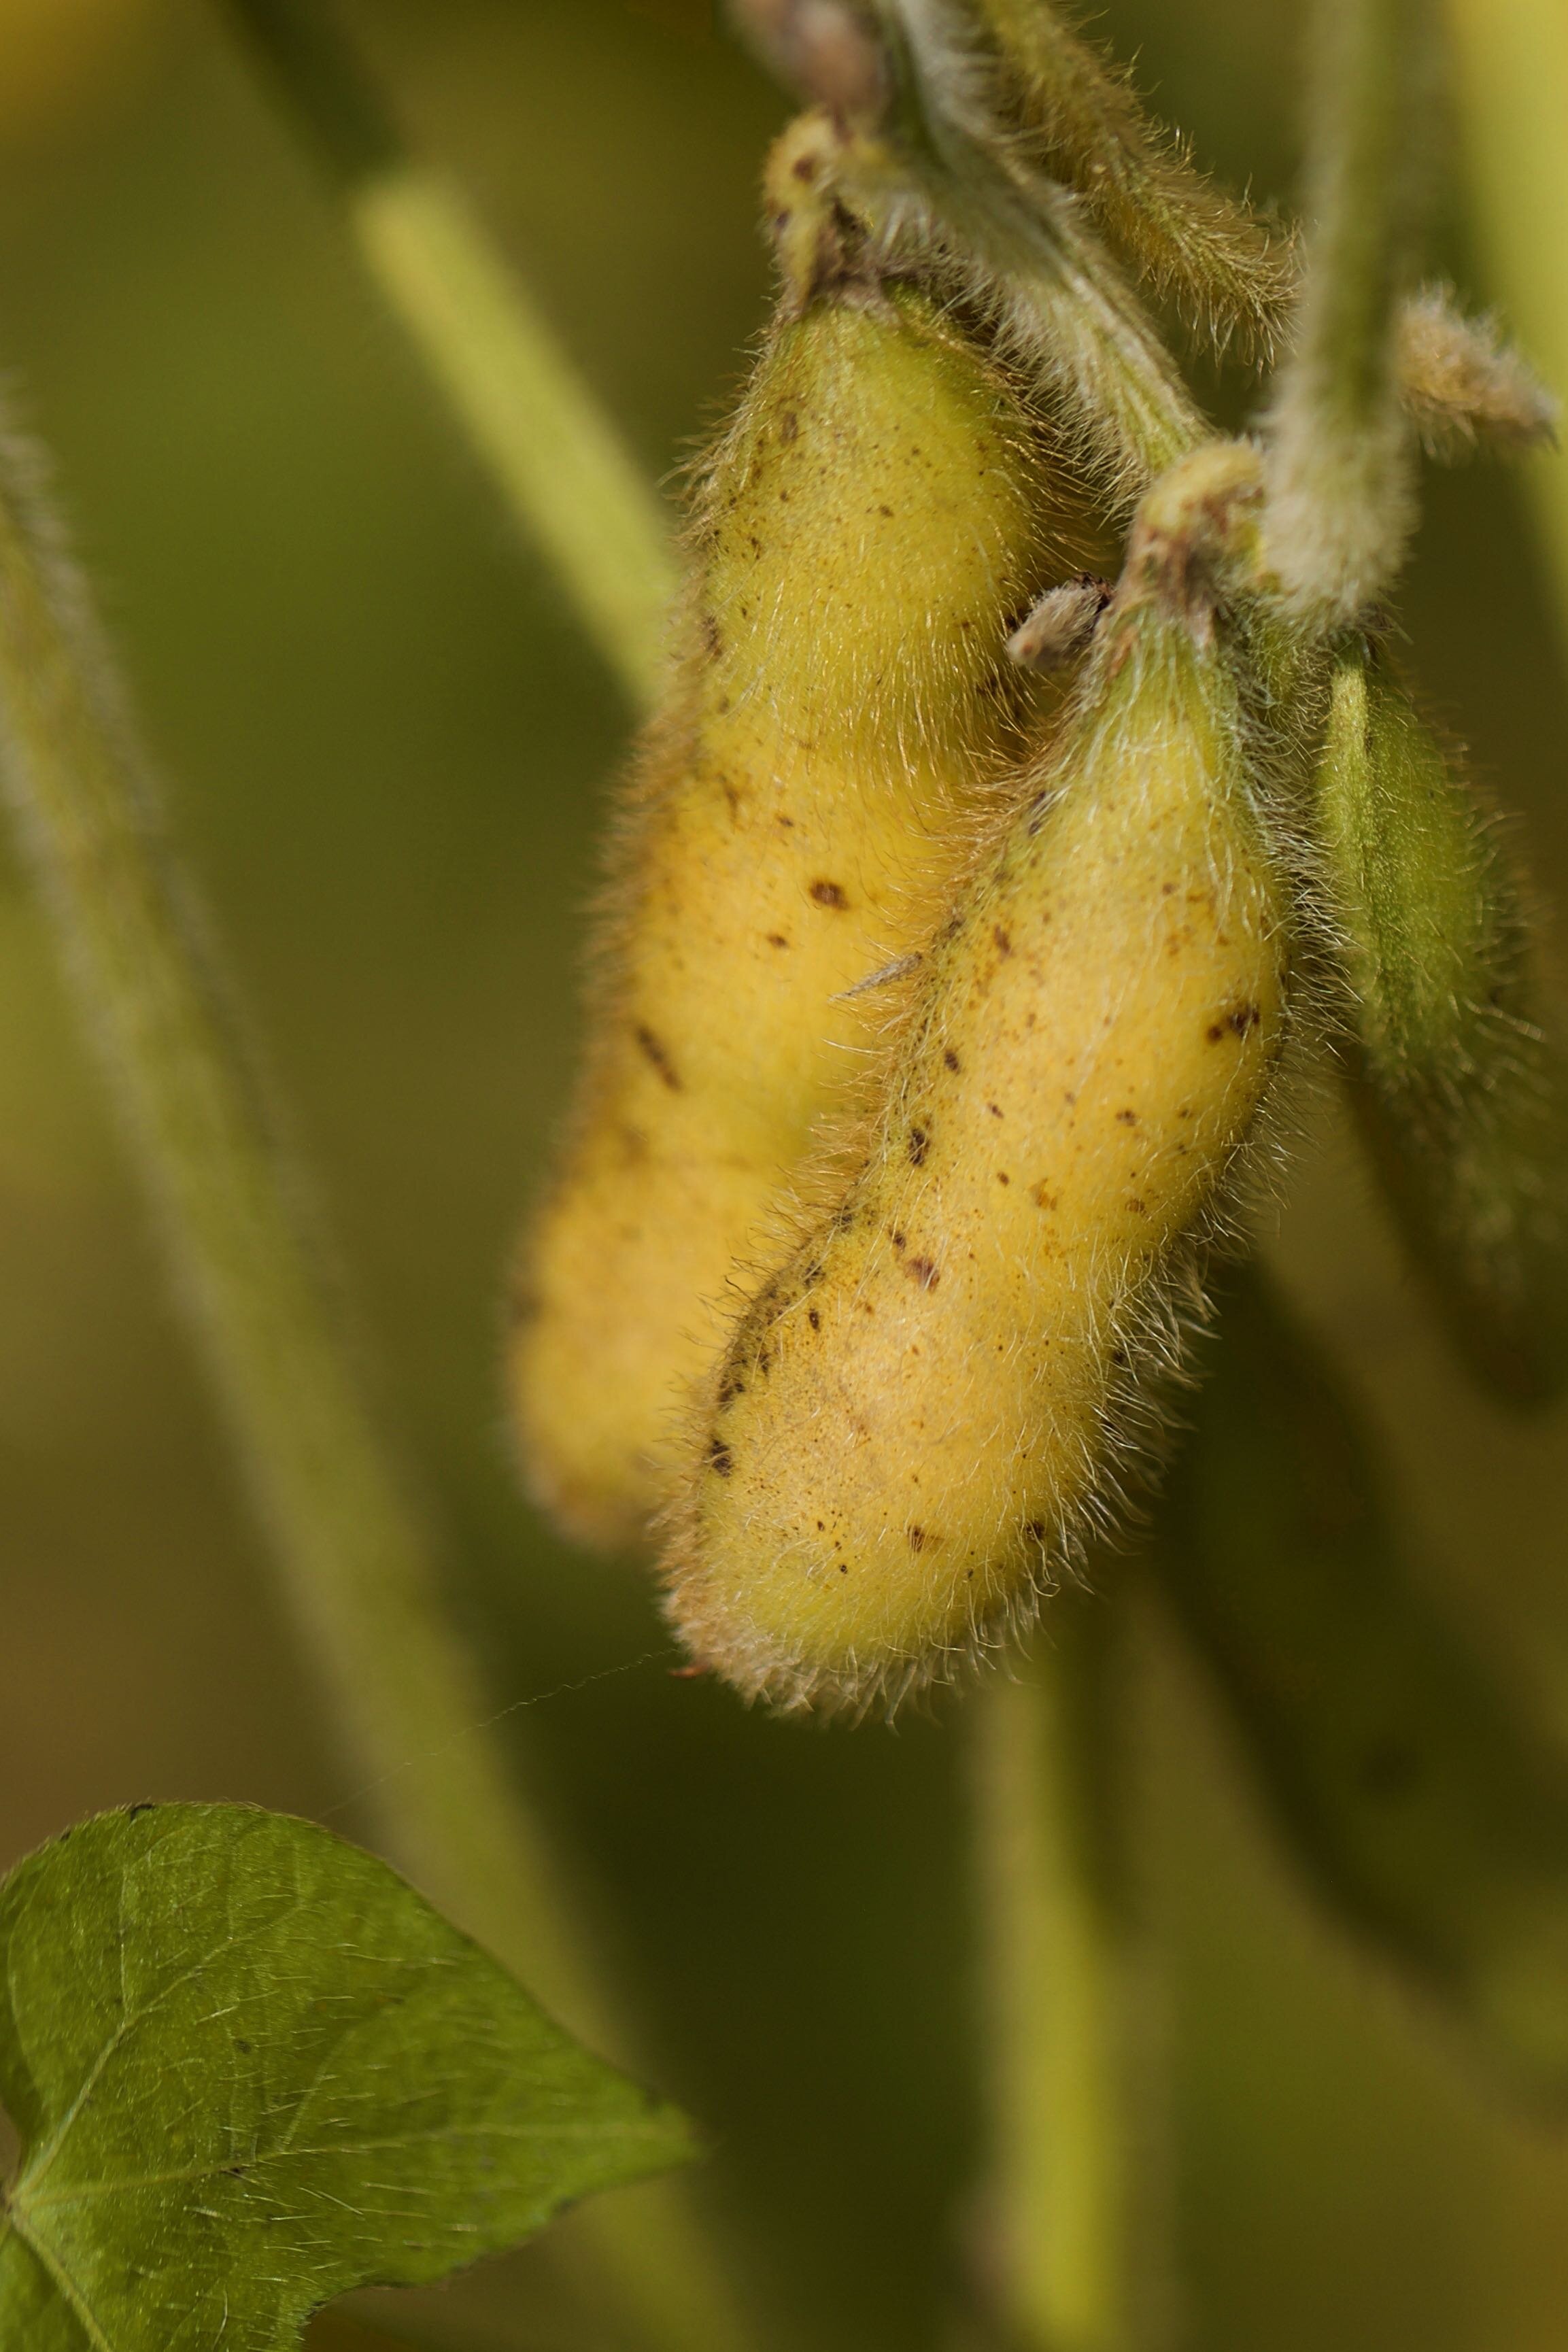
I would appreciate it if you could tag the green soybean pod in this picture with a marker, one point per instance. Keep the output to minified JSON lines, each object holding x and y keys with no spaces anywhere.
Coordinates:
{"x":1459,"y":1093}
{"x":1422,"y":1810}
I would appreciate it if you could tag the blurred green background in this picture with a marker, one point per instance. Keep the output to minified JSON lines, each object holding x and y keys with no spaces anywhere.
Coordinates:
{"x":387,"y":753}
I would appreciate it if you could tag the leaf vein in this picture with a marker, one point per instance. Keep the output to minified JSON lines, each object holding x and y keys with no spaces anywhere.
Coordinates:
{"x":89,"y":2190}
{"x":34,"y":2171}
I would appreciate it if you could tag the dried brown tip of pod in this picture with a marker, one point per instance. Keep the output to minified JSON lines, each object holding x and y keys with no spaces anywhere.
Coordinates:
{"x":822,"y":247}
{"x":1196,"y":539}
{"x":1062,"y":625}
{"x":1464,"y":387}
{"x":829,"y":51}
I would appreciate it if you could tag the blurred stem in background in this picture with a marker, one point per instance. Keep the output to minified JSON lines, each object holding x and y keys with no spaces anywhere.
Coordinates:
{"x":1511,"y":80}
{"x":1078,"y":2214}
{"x":357,"y":1565}
{"x":359,"y":1569}
{"x":558,"y":461}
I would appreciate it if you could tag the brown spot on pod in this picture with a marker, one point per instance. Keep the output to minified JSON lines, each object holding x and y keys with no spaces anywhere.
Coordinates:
{"x":814,"y":1318}
{"x":777,"y":940}
{"x":1127,"y":1118}
{"x":950,"y":1058}
{"x":919,"y":1145}
{"x":922,"y":1270}
{"x":1004,"y":940}
{"x":917,"y":1538}
{"x":827,"y":894}
{"x":720,"y":1457}
{"x":657,"y":1053}
{"x":1234,"y":1024}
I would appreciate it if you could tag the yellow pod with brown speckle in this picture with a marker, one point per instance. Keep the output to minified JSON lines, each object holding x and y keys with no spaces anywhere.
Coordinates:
{"x":926,"y":1404}
{"x":869,"y":528}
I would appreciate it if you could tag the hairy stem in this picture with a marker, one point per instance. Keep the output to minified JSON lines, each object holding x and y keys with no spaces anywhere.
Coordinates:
{"x":1072,"y":2210}
{"x":559,"y":463}
{"x":1230,"y":273}
{"x":1510,"y":59}
{"x":1343,"y":499}
{"x":357,"y":1565}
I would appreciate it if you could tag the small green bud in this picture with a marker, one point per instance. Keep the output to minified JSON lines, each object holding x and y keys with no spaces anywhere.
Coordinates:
{"x":1459,"y":1093}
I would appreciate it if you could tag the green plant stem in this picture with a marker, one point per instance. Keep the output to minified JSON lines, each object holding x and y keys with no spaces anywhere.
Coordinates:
{"x":1341,"y":501}
{"x":356,"y":1556}
{"x":560,"y":464}
{"x":1072,"y":2212}
{"x":1510,"y":59}
{"x":356,"y":1560}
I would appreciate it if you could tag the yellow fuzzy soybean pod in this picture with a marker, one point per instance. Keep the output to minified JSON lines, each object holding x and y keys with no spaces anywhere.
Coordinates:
{"x":870,"y":528}
{"x":927,"y":1401}
{"x":1406,"y":1785}
{"x":1458,"y":1095}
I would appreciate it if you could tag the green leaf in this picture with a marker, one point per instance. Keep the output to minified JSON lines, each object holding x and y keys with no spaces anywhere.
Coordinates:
{"x":251,"y":2068}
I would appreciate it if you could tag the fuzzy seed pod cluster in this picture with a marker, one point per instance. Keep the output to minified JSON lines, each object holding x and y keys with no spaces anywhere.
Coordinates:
{"x":936,"y":1020}
{"x":921,"y":1408}
{"x":839,"y":709}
